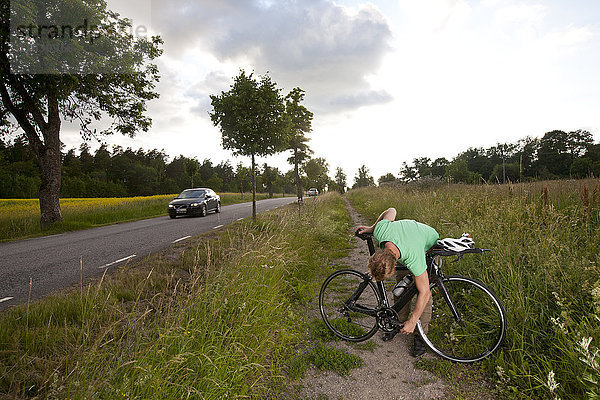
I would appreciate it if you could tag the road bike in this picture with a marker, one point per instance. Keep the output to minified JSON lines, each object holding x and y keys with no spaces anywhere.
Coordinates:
{"x":468,"y":321}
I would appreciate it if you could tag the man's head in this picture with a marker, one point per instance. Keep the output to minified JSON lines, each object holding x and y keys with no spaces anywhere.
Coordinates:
{"x":382,"y":264}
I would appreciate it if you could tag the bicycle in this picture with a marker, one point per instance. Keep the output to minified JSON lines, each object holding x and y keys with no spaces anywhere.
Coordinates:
{"x":468,"y":321}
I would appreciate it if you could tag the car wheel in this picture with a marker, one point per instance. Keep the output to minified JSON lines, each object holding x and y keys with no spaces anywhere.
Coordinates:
{"x":203,"y":210}
{"x":218,"y":209}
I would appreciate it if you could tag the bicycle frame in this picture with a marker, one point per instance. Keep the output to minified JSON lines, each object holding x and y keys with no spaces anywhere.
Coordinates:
{"x":434,"y":277}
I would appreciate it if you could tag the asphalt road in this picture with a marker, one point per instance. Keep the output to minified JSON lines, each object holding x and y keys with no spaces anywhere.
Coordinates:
{"x":53,"y":262}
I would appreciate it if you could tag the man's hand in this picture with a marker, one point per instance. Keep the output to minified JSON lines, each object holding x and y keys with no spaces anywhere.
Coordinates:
{"x":364,"y":229}
{"x":409,"y":327}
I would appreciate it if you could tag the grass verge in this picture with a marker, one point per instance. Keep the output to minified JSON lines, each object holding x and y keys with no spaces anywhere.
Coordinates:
{"x":214,"y":318}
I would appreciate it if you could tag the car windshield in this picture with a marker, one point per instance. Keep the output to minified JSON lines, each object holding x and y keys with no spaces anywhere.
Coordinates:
{"x":188,"y":194}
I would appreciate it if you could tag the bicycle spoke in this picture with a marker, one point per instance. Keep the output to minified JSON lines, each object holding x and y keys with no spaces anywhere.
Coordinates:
{"x":347,"y":302}
{"x":479,"y":330}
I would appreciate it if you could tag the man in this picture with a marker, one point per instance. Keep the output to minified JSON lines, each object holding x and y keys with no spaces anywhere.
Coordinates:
{"x":404,"y":241}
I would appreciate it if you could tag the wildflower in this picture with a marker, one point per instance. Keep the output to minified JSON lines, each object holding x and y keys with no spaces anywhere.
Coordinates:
{"x":562,"y":326}
{"x":584,"y":343}
{"x":502,"y":378}
{"x":552,"y":384}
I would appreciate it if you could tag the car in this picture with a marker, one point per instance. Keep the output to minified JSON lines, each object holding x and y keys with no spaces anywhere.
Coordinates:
{"x":198,"y":201}
{"x":313,"y":192}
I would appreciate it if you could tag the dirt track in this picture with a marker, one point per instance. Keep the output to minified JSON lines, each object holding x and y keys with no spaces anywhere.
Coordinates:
{"x":388,"y":371}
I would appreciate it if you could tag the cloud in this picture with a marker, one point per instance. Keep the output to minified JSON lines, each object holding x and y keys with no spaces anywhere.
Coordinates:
{"x":327,"y":49}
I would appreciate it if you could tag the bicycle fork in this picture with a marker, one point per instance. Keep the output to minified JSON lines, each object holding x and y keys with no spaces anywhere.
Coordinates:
{"x":446,"y":296}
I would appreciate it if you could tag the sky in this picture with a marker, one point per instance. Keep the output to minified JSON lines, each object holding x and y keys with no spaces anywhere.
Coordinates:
{"x":387,"y":80}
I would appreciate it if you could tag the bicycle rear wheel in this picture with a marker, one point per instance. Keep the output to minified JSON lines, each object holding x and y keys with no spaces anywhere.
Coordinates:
{"x":348,"y":301}
{"x":477,"y":329}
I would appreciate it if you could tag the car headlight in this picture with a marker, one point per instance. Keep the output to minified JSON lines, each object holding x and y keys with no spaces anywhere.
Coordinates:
{"x":194,"y":204}
{"x":171,"y":206}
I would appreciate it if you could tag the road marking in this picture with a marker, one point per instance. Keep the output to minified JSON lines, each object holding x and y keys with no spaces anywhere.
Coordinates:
{"x":118,"y":261}
{"x":6,"y":299}
{"x":180,"y":239}
{"x":218,"y":226}
{"x":239,"y":219}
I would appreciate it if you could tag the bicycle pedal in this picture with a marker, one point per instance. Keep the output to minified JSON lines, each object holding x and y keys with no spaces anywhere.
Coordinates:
{"x":387,"y":336}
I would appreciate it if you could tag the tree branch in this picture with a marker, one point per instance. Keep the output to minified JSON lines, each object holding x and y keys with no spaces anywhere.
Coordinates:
{"x":21,"y":117}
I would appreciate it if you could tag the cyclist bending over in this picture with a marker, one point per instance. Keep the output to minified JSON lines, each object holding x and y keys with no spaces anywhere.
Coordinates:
{"x":404,"y":241}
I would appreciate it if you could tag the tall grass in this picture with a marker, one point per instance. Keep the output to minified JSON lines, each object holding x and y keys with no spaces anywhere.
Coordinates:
{"x":20,"y":218}
{"x":545,"y":267}
{"x":216,"y":321}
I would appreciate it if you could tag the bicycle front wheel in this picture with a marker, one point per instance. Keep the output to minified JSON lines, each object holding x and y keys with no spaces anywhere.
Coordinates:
{"x":468,"y":324}
{"x":348,"y":301}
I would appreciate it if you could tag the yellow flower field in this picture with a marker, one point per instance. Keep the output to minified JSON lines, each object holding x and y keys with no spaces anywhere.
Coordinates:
{"x":20,"y":218}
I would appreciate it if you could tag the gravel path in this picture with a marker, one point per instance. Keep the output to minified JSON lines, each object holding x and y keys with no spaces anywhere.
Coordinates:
{"x":388,"y":371}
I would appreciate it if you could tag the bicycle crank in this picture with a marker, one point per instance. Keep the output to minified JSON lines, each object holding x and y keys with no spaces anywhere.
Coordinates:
{"x":387,"y":320}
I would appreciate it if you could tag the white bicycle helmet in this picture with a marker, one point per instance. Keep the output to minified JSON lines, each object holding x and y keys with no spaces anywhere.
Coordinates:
{"x":460,"y":244}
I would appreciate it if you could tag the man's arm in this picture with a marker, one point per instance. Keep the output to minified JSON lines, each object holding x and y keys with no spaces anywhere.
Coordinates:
{"x":422,"y":282}
{"x":389,"y":214}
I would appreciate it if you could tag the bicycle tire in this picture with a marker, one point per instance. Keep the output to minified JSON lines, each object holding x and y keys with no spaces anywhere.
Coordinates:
{"x":352,"y":320}
{"x":481,"y":329}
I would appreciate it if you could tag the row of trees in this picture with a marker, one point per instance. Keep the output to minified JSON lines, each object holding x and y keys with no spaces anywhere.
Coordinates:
{"x":125,"y":172}
{"x":556,"y":155}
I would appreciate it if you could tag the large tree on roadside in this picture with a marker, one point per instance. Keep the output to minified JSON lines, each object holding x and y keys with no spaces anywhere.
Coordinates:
{"x":252,"y":120}
{"x":113,"y":78}
{"x":301,"y":120}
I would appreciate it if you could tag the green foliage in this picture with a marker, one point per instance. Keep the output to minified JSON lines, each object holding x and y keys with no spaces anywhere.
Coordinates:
{"x":251,"y":116}
{"x":557,"y":154}
{"x":334,"y":359}
{"x":362,"y":178}
{"x":300,"y":124}
{"x":124,"y":173}
{"x":543,"y":267}
{"x":316,"y":170}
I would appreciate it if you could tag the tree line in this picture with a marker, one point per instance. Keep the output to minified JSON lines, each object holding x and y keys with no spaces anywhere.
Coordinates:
{"x":557,"y":155}
{"x":119,"y":172}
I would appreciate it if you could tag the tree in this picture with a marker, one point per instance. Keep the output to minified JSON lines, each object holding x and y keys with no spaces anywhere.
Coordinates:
{"x":316,"y":170}
{"x":363,"y":178}
{"x":408,"y":173}
{"x":269,"y":178}
{"x":553,"y":154}
{"x":340,"y":180}
{"x":191,"y":167}
{"x":423,"y":166}
{"x":301,"y":121}
{"x":438,"y":167}
{"x":387,"y":178}
{"x":243,"y":178}
{"x":251,"y":117}
{"x":458,"y":171}
{"x":39,"y":102}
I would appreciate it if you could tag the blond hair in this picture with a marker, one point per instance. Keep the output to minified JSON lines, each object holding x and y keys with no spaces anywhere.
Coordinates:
{"x":382,"y":264}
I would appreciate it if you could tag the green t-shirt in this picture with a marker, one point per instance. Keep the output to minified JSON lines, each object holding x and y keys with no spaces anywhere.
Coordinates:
{"x":412,"y":238}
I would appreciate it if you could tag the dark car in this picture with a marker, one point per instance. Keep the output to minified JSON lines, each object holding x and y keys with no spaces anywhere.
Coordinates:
{"x":197,"y":201}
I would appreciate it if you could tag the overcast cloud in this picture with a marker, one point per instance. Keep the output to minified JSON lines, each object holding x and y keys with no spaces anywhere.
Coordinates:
{"x":326,"y":49}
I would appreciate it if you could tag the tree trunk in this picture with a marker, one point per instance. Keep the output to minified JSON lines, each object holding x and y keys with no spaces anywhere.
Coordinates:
{"x":298,"y":181}
{"x":50,"y":187}
{"x":50,"y":168}
{"x":253,"y":189}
